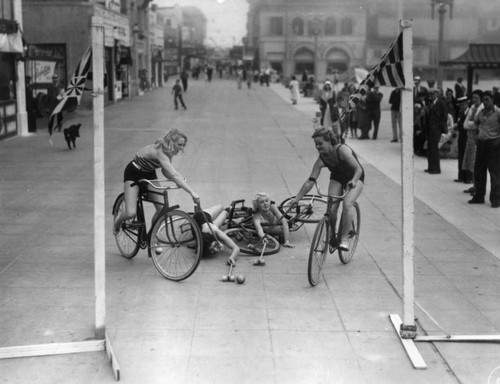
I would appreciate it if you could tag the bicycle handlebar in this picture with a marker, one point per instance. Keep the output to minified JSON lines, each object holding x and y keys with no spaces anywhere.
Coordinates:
{"x":160,"y":187}
{"x":346,"y":191}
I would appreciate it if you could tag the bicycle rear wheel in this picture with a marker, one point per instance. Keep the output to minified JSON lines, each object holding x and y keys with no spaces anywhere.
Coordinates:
{"x":318,"y":251}
{"x":175,"y":245}
{"x":248,"y":241}
{"x":310,"y":208}
{"x":128,"y":238}
{"x":346,"y":257}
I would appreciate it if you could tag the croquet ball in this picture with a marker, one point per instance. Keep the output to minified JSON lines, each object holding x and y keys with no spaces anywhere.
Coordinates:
{"x":240,"y":279}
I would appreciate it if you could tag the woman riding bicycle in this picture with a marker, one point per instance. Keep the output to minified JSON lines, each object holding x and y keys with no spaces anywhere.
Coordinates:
{"x":346,"y":173}
{"x":146,"y":161}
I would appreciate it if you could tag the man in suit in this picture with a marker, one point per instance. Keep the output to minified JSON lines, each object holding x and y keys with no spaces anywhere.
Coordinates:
{"x":437,"y":120}
{"x":459,"y":88}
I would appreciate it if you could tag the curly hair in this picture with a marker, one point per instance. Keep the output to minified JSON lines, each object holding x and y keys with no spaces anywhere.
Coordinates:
{"x":167,"y":142}
{"x":326,"y":135}
{"x":259,"y":195}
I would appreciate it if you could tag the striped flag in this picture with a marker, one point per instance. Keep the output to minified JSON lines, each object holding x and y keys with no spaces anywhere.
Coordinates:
{"x":72,"y":95}
{"x":388,"y":72}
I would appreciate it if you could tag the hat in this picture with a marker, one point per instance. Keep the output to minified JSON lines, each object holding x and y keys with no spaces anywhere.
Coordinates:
{"x":55,"y":77}
{"x":416,"y":78}
{"x":433,"y":90}
{"x":328,"y":82}
{"x":462,"y":99}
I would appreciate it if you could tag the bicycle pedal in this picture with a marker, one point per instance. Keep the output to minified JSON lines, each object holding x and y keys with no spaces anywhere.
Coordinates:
{"x":136,"y":224}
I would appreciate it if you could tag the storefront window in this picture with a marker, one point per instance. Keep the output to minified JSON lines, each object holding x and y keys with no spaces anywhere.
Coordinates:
{"x":7,"y":76}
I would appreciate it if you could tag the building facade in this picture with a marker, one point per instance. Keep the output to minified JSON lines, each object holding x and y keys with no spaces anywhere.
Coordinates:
{"x":327,"y":38}
{"x":13,"y":116}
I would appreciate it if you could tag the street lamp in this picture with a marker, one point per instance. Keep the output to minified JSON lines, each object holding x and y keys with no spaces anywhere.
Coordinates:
{"x":315,"y":29}
{"x":441,"y":4}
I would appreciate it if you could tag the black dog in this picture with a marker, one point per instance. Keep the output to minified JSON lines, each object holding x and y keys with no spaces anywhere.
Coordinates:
{"x":71,"y":133}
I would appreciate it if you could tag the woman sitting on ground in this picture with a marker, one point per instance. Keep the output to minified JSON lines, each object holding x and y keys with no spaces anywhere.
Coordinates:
{"x":209,"y":221}
{"x":267,"y":219}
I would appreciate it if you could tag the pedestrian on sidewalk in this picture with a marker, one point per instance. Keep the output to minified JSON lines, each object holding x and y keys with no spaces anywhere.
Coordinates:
{"x":144,"y":165}
{"x":184,"y":80}
{"x":471,"y":128}
{"x":329,"y":110}
{"x":373,"y":99}
{"x":464,"y":176}
{"x":395,"y":102}
{"x":353,"y":115}
{"x":488,"y":152}
{"x":436,"y":126}
{"x":294,"y":89}
{"x":177,"y":92}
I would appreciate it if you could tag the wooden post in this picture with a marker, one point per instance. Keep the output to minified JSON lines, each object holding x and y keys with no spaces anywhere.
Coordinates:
{"x":22,"y":115}
{"x":99,"y":209}
{"x":408,"y":328}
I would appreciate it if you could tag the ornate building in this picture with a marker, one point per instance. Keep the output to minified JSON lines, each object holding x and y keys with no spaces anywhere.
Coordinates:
{"x":326,"y":37}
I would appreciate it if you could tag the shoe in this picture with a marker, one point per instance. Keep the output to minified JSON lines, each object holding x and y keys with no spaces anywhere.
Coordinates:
{"x":116,"y":231}
{"x":426,"y":170}
{"x":468,"y":181}
{"x":394,"y":141}
{"x":344,"y":246}
{"x":363,"y":138}
{"x":458,"y":181}
{"x":470,"y":190}
{"x":333,"y":242}
{"x":158,"y":251}
{"x":475,"y":200}
{"x":434,"y":172}
{"x":495,"y":204}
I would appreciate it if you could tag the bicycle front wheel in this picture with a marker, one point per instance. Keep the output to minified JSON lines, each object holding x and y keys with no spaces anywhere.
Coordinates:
{"x":128,"y":238}
{"x":310,"y":208}
{"x":318,"y":251}
{"x":353,"y":235}
{"x":175,"y":245}
{"x":248,"y":241}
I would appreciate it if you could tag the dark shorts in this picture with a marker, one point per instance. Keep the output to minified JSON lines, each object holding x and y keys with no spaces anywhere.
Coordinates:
{"x":132,"y":173}
{"x":199,"y":218}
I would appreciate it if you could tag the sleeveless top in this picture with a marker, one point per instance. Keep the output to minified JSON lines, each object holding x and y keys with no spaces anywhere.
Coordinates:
{"x":341,"y":172}
{"x":270,"y":218}
{"x":146,"y":164}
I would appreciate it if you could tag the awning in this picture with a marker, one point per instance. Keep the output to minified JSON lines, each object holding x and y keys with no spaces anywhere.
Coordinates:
{"x":478,"y":56}
{"x":10,"y":37}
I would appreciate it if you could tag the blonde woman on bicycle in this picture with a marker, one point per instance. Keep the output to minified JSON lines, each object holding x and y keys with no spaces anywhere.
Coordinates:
{"x":346,"y":173}
{"x":146,"y":161}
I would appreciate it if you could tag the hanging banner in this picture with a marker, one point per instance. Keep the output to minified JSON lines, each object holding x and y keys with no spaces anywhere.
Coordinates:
{"x":11,"y":42}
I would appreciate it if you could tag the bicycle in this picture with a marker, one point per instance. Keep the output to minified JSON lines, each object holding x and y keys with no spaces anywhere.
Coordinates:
{"x":174,"y":241}
{"x":321,"y":243}
{"x":310,"y":209}
{"x":240,"y":229}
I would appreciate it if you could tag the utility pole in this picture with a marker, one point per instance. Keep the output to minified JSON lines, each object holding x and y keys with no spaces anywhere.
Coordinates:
{"x":441,"y":4}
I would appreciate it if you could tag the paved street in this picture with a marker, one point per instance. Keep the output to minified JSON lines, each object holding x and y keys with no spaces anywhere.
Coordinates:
{"x":275,"y":328}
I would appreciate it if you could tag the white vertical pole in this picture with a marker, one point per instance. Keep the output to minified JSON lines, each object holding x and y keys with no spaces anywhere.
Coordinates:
{"x":408,"y":328}
{"x":99,"y":222}
{"x":22,"y":115}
